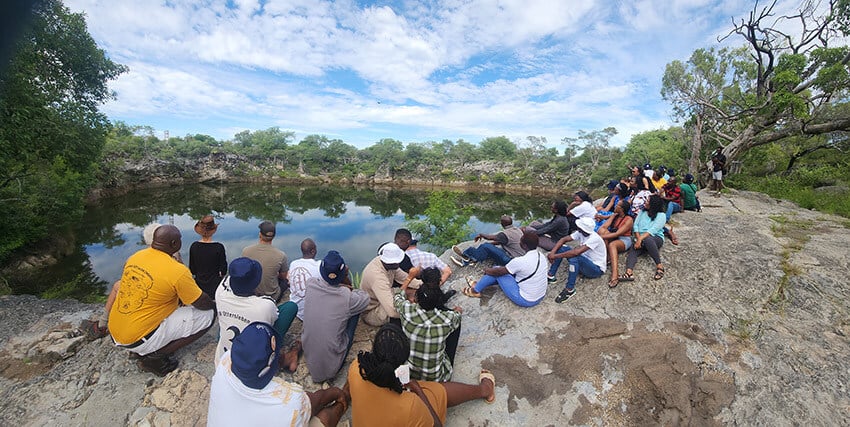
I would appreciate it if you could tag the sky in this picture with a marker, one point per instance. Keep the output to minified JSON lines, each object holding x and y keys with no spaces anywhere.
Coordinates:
{"x":414,"y":71}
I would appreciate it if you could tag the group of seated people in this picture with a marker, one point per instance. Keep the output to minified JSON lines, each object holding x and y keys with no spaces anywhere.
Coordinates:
{"x":633,"y":218}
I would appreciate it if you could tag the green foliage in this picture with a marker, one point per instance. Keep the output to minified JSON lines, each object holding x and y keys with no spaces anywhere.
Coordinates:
{"x":444,"y":223}
{"x":498,"y":148}
{"x":51,"y":132}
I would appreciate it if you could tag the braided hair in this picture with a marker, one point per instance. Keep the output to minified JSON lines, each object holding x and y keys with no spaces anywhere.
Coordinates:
{"x":429,"y":296}
{"x":389,"y":350}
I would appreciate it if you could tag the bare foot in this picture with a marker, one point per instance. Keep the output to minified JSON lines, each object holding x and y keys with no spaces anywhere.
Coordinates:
{"x":290,"y":358}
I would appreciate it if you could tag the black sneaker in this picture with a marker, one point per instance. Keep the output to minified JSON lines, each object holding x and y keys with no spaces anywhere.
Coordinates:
{"x":448,"y":294}
{"x":159,"y":365}
{"x":564,"y":295}
{"x":551,"y":279}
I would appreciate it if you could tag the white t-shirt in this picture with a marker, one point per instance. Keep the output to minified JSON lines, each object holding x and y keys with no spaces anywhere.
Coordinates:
{"x":234,"y":404}
{"x":595,"y":248}
{"x":584,"y":210}
{"x":235,"y":313}
{"x":300,"y":271}
{"x":521,"y":267}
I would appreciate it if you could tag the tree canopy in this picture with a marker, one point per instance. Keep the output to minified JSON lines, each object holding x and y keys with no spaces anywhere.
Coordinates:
{"x":51,"y":131}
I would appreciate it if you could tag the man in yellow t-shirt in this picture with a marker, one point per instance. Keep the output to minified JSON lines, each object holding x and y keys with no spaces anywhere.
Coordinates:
{"x":146,"y":317}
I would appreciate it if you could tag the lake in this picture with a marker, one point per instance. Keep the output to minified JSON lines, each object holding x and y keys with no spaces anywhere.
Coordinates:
{"x":351,"y":220}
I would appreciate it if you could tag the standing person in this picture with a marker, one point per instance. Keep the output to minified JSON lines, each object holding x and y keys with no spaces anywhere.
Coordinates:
{"x":245,"y":390}
{"x":718,"y":163}
{"x":331,"y":312}
{"x":689,"y":194}
{"x":380,"y":398}
{"x":300,"y":272}
{"x":238,"y":305}
{"x":146,"y":318}
{"x":523,"y":280}
{"x":648,"y":238}
{"x":377,"y":280}
{"x":507,"y":239}
{"x":554,"y":229}
{"x":207,"y":260}
{"x":418,"y":257}
{"x":433,"y":329}
{"x":274,"y":262}
{"x":587,"y":259}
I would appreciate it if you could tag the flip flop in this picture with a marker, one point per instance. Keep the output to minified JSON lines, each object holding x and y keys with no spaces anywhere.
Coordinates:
{"x":470,"y":292}
{"x":488,"y":375}
{"x":613,"y":283}
{"x":626,"y":277}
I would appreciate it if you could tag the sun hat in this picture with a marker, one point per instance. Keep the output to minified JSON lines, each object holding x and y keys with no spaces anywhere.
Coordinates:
{"x":332,"y":268}
{"x":245,"y":275}
{"x":254,"y":355}
{"x":586,"y":224}
{"x":206,"y":226}
{"x":391,"y":254}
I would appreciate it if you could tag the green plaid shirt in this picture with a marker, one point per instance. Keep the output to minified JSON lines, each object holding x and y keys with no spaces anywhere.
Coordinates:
{"x":427,"y":331}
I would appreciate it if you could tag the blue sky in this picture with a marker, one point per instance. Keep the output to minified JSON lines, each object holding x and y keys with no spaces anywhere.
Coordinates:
{"x":409,"y":70}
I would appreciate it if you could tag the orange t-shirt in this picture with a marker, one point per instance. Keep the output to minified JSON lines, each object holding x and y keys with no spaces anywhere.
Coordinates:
{"x":372,"y":405}
{"x":151,"y":285}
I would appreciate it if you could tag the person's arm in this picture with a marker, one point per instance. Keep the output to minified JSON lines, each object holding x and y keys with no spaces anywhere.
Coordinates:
{"x":485,"y":236}
{"x":574,"y":252}
{"x":414,"y":386}
{"x":358,"y":301}
{"x":204,"y":302}
{"x":496,"y":271}
{"x":558,"y":245}
{"x":383,"y":291}
{"x":320,"y":399}
{"x":222,"y":263}
{"x":446,"y":272}
{"x":603,"y":229}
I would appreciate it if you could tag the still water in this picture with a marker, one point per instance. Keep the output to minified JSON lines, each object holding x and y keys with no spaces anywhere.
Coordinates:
{"x":351,"y":220}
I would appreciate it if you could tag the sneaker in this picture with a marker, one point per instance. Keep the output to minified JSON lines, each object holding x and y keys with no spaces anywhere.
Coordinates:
{"x":551,"y":279}
{"x":458,"y":252}
{"x":448,"y":294}
{"x":460,"y":263}
{"x":159,"y":365}
{"x":92,"y":330}
{"x":564,"y":295}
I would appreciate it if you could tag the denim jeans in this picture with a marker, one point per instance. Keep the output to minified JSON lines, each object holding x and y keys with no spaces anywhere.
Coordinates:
{"x":672,"y":208}
{"x":557,"y":262}
{"x":509,"y":286}
{"x":488,"y":250}
{"x":584,"y":266}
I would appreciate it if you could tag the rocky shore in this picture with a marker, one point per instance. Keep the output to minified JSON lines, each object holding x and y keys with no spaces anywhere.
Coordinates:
{"x":749,"y":326}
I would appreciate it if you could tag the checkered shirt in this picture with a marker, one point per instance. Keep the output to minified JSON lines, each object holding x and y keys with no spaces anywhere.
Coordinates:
{"x":424,"y":259}
{"x":427,"y":331}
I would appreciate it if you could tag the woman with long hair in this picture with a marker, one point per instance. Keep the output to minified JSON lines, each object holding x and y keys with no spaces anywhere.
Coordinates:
{"x":381,"y":393}
{"x":207,"y":259}
{"x":648,"y":238}
{"x":616,"y":232}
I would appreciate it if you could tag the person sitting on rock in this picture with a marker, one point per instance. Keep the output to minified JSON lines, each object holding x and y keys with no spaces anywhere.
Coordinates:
{"x":331,"y":312}
{"x":690,"y":201}
{"x":554,"y":229}
{"x":147,"y":318}
{"x":673,"y":195}
{"x":377,"y":280}
{"x":523,"y":279}
{"x":617,"y":234}
{"x":620,"y":193}
{"x":507,"y":239}
{"x":207,"y":259}
{"x":238,"y":305}
{"x":433,"y":329}
{"x":245,"y":390}
{"x":648,"y":238}
{"x":587,"y":259}
{"x":418,"y":257}
{"x":274,"y":261}
{"x":382,"y":395}
{"x":300,"y":272}
{"x":581,"y":207}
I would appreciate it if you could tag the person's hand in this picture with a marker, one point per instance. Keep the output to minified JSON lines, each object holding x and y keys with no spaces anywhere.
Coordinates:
{"x":478,"y":237}
{"x":413,"y":386}
{"x":638,"y":243}
{"x":458,"y":309}
{"x":550,"y":256}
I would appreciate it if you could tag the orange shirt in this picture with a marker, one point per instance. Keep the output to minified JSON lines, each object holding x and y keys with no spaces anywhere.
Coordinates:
{"x":373,"y":406}
{"x":151,"y":285}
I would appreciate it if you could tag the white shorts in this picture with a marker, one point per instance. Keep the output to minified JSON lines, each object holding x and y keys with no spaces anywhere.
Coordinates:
{"x":717,"y":175}
{"x":185,"y":321}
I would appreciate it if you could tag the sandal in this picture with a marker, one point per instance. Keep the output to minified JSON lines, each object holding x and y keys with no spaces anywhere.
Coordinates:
{"x":626,"y":277}
{"x":659,"y":273}
{"x":485,"y":374}
{"x":613,"y":283}
{"x":470,"y":292}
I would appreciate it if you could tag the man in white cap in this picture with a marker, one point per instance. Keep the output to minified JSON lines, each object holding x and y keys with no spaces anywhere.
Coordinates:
{"x":246,"y":391}
{"x":377,"y":281}
{"x":587,"y":259}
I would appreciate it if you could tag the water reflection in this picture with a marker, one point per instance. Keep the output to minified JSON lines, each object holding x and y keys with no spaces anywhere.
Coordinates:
{"x":352,"y":220}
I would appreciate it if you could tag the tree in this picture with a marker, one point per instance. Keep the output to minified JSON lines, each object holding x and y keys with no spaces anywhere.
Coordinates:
{"x":498,"y":148}
{"x":51,"y":132}
{"x":785,"y":84}
{"x":444,"y":222}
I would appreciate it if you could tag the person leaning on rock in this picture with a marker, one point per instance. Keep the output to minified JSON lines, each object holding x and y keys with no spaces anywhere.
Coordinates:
{"x":146,"y":318}
{"x":507,"y":239}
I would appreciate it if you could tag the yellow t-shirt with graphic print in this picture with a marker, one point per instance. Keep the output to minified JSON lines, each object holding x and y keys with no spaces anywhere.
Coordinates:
{"x":151,"y":285}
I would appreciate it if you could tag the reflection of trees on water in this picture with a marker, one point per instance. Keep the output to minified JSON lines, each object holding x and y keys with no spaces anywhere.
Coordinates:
{"x":245,"y":201}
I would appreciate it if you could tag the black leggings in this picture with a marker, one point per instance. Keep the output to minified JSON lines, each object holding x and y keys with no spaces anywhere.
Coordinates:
{"x":651,"y":245}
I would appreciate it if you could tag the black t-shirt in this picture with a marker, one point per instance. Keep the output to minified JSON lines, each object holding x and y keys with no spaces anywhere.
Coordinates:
{"x":208,"y":264}
{"x":719,"y":161}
